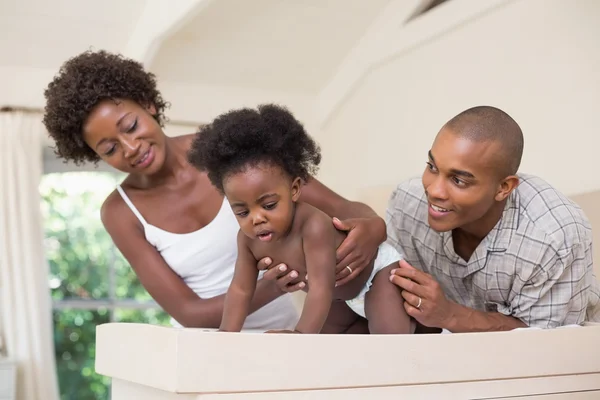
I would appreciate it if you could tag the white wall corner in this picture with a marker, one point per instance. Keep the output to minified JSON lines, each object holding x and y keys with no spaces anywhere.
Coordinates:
{"x":195,"y":103}
{"x":389,"y":38}
{"x":357,"y":62}
{"x":159,"y":20}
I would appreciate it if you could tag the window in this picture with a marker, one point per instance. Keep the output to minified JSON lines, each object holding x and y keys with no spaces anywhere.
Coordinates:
{"x":90,"y":281}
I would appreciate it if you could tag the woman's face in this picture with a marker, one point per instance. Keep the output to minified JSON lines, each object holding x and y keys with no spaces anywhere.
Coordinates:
{"x":126,"y":136}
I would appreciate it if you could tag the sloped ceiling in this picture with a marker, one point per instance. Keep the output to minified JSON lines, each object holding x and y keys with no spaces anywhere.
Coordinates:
{"x":287,"y":45}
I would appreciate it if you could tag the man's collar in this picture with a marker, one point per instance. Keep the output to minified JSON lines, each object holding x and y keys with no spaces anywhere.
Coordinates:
{"x":499,"y":237}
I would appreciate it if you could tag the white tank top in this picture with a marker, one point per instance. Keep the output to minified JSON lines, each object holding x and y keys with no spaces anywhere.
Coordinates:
{"x":205,"y":260}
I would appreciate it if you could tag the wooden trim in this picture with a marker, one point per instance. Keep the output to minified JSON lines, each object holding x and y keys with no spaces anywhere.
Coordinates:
{"x":34,"y":110}
{"x":208,"y":362}
{"x":28,"y":110}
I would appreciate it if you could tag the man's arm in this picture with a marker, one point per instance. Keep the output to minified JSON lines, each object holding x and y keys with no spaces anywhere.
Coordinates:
{"x":554,"y":295}
{"x":240,"y":292}
{"x":557,"y":292}
{"x":318,"y":238}
{"x":465,"y":319}
{"x":366,"y":230}
{"x":425,"y":301}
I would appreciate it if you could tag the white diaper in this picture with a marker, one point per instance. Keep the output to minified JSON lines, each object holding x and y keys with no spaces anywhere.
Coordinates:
{"x":385,"y":256}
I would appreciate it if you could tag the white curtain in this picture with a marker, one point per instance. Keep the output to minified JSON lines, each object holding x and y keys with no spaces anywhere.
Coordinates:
{"x":25,"y":311}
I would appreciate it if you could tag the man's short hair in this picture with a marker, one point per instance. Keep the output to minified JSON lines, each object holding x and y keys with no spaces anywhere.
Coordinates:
{"x":486,"y":123}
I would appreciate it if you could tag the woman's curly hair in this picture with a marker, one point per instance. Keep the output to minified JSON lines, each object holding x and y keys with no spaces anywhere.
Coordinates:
{"x":82,"y":82}
{"x":247,"y":137}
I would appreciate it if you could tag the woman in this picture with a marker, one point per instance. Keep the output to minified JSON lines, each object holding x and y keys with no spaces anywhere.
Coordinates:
{"x":174,"y":228}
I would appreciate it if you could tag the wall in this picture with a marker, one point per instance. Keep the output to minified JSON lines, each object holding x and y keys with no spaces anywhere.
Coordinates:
{"x":536,"y":59}
{"x":589,"y":203}
{"x":196,"y":103}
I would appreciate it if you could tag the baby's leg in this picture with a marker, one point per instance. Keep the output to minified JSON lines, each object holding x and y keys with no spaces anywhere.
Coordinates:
{"x":384,"y":306}
{"x":342,"y":319}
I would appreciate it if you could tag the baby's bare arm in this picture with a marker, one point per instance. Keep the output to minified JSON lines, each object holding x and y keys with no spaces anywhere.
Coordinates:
{"x":318,"y":237}
{"x":241,"y":290}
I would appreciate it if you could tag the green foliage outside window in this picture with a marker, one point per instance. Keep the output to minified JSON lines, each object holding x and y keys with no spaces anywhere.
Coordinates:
{"x":91,"y":283}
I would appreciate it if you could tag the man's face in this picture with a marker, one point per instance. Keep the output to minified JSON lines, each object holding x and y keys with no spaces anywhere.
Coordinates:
{"x":461,"y":181}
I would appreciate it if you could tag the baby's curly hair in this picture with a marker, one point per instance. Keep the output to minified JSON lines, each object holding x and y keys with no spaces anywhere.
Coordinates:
{"x":82,"y":82}
{"x":247,"y":137}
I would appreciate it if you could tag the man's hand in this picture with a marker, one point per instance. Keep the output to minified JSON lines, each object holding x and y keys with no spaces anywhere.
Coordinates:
{"x":424,"y":299}
{"x":285,"y":280}
{"x":360,"y":246}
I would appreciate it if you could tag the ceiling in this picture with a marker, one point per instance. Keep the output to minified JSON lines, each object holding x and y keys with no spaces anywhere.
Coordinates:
{"x":44,"y":33}
{"x":271,"y":45}
{"x":284,"y":45}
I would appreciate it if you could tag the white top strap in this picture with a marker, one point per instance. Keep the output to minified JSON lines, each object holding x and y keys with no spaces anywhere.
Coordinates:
{"x":131,"y":206}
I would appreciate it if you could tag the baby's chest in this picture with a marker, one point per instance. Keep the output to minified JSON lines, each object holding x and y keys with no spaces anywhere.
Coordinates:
{"x":290,"y":254}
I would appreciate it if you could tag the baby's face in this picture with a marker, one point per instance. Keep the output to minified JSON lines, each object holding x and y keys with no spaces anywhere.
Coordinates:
{"x":262,"y":199}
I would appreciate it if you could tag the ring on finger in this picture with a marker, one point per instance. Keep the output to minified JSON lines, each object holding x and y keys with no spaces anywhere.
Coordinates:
{"x":348,"y":268}
{"x":419,"y":303}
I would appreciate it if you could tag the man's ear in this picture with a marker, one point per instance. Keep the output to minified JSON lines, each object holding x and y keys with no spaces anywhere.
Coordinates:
{"x":296,"y":189}
{"x":506,"y":187}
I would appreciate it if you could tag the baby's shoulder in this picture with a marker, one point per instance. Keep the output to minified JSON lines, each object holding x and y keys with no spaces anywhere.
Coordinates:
{"x":312,"y":221}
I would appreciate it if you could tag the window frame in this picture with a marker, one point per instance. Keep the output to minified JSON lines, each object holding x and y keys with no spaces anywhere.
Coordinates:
{"x":52,"y":164}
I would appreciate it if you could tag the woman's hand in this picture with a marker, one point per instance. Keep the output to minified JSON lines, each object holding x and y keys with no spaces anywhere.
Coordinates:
{"x":360,"y":246}
{"x":285,"y":280}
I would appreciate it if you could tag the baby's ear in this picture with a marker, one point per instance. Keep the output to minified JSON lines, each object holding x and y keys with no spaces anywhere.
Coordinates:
{"x":296,"y":189}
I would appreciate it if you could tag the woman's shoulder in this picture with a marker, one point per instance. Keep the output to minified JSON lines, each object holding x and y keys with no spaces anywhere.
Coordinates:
{"x":184,"y":141}
{"x":117,"y":217}
{"x":113,"y":207}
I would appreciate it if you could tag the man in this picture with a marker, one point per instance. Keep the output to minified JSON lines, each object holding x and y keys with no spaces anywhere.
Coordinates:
{"x":486,"y":249}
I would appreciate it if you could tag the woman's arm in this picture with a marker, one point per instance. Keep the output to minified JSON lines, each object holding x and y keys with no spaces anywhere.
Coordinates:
{"x":366,"y":230}
{"x":332,"y":204}
{"x":163,"y":284}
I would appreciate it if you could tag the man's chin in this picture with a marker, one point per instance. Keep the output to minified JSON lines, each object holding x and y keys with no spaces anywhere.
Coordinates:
{"x":440,"y":226}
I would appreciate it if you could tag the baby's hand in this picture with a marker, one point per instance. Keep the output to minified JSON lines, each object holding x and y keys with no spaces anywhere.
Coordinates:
{"x":281,"y":331}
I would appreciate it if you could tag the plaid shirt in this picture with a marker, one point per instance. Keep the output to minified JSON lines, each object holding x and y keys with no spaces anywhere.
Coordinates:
{"x":535,"y":264}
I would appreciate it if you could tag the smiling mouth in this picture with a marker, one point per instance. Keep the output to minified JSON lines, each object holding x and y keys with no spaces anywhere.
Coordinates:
{"x":144,"y":158}
{"x":439,"y":209}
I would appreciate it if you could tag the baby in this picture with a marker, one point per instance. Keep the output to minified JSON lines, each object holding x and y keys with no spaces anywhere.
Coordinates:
{"x":260,"y":159}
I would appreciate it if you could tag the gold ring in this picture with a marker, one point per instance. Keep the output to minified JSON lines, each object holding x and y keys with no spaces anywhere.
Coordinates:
{"x":348,"y":268}
{"x":419,"y":304}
